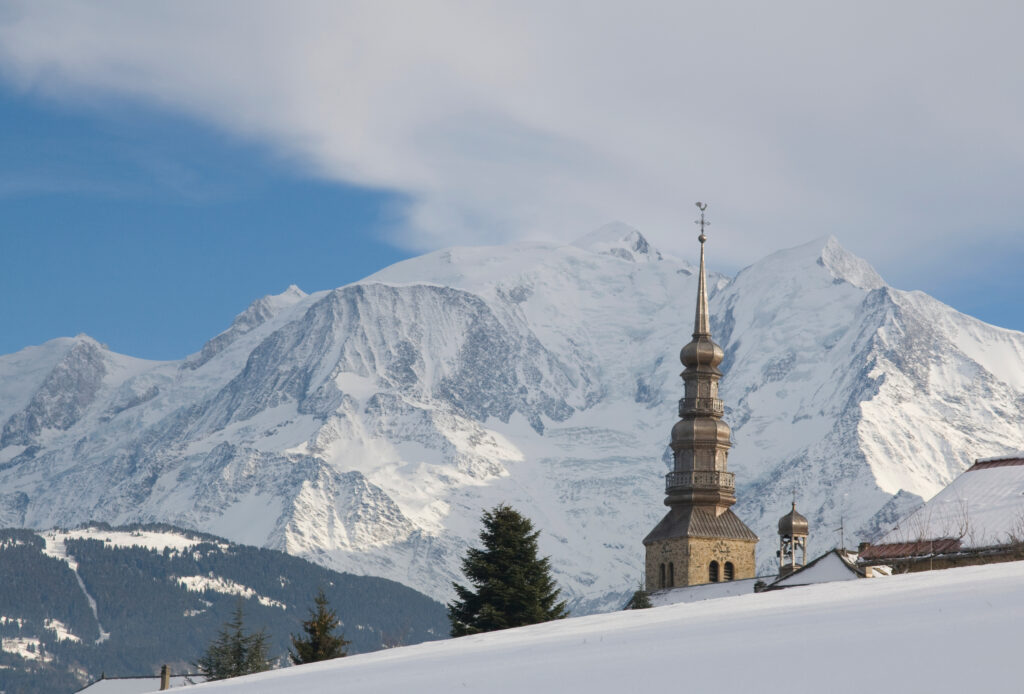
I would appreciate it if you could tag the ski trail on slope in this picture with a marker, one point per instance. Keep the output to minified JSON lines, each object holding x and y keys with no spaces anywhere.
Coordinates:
{"x":56,"y":548}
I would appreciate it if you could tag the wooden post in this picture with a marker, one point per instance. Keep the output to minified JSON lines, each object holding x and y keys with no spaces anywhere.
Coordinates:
{"x":165,"y":678}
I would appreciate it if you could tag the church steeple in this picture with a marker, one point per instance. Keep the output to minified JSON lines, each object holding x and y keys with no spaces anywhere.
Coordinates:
{"x":700,"y":540}
{"x":701,"y":440}
{"x":702,"y":321}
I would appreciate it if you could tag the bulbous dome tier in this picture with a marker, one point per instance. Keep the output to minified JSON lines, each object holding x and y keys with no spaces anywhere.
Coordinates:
{"x":701,"y":351}
{"x":703,"y":430}
{"x":793,"y":524}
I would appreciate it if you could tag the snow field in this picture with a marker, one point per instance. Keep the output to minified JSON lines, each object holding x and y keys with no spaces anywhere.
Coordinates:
{"x":198,"y":584}
{"x":943,"y":631}
{"x":146,"y":539}
{"x":61,"y":630}
{"x":25,"y":647}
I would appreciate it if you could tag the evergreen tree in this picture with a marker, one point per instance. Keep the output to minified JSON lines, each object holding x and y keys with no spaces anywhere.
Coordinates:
{"x":320,"y":643}
{"x":641,"y":600}
{"x":235,"y":652}
{"x":511,"y":586}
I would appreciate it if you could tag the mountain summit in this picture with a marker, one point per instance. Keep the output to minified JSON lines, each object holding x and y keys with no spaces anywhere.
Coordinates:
{"x":620,"y":240}
{"x":367,"y":427}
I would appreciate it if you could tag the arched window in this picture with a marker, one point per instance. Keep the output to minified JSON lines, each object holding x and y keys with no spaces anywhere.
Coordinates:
{"x":729,"y":572}
{"x":671,"y":575}
{"x":661,"y":584}
{"x":713,"y":572}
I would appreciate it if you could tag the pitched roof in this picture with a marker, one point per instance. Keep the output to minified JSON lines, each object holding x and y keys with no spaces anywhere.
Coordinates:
{"x":923,"y":548}
{"x":704,"y":591}
{"x":983,"y":507}
{"x":138,"y":685}
{"x":834,"y":565}
{"x":697,"y":521}
{"x":1018,"y":456}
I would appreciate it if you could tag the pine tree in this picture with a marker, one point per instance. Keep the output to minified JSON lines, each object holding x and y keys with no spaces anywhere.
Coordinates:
{"x":641,"y":600}
{"x":320,"y":643}
{"x":512,"y":587}
{"x":234,"y":652}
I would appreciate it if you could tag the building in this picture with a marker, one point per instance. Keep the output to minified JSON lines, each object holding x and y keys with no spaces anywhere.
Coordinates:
{"x":700,"y":539}
{"x":140,"y":685}
{"x":793,"y":530}
{"x":835,"y":565}
{"x":977,"y":519}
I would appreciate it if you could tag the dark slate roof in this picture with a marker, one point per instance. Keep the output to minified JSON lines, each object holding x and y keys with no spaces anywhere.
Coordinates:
{"x":899,"y":550}
{"x":995,"y":462}
{"x":698,"y":521}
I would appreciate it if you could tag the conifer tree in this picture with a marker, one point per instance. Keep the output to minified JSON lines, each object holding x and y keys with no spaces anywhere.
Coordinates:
{"x":320,"y":642}
{"x":641,"y":600}
{"x":234,"y":652}
{"x":511,"y":585}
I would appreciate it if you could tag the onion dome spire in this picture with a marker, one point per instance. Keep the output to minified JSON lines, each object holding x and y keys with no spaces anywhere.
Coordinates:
{"x":793,"y":523}
{"x":702,"y":350}
{"x":700,"y":439}
{"x":700,"y":539}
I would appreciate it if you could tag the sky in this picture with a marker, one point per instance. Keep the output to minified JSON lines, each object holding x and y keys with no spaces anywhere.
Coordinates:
{"x":164,"y":164}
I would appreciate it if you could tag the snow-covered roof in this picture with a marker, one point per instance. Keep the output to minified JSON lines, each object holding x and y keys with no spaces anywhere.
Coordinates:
{"x":982,"y":507}
{"x":1017,"y":455}
{"x":138,"y":685}
{"x":704,"y":591}
{"x":834,"y":565}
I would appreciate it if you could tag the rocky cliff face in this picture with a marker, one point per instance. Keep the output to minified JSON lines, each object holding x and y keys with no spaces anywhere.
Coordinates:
{"x":367,"y":427}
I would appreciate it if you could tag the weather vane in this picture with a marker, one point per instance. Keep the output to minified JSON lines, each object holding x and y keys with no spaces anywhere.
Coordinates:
{"x":703,"y":222}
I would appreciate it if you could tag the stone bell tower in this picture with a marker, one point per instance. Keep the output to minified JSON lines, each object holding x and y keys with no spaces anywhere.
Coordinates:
{"x":700,"y":540}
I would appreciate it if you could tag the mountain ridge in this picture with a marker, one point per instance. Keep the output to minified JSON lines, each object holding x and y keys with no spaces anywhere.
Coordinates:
{"x":367,"y":427}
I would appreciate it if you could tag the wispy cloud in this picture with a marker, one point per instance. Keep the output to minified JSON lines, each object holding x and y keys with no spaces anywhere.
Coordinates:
{"x":878,"y":122}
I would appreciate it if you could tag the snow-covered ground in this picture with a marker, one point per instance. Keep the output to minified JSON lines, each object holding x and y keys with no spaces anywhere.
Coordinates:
{"x":61,"y":630}
{"x":147,"y":539}
{"x":25,"y":647}
{"x":225,"y":585}
{"x":944,"y":631}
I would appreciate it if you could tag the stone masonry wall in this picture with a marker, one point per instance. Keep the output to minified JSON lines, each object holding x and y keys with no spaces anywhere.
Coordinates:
{"x":692,"y":556}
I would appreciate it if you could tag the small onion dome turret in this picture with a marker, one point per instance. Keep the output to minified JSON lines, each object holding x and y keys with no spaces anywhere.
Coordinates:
{"x":793,"y":523}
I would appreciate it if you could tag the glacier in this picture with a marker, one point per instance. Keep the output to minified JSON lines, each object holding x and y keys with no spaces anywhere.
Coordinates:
{"x":367,"y":427}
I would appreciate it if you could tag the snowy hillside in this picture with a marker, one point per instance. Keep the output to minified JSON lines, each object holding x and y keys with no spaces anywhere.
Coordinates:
{"x":942,"y":631}
{"x":75,"y":604}
{"x":367,"y":427}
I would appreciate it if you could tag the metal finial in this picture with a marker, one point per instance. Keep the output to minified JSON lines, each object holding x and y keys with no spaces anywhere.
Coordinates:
{"x":703,"y":222}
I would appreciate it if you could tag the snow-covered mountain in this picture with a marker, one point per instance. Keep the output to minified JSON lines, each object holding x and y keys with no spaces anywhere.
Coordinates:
{"x":367,"y":427}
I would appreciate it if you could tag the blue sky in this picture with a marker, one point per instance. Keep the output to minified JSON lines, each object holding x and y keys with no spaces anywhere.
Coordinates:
{"x":150,"y":232}
{"x":163,"y":164}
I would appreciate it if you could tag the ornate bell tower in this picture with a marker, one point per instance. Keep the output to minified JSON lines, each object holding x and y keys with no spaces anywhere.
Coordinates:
{"x":700,"y":540}
{"x":793,"y":529}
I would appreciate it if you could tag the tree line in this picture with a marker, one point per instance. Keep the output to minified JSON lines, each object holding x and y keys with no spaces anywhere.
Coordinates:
{"x":237,"y":651}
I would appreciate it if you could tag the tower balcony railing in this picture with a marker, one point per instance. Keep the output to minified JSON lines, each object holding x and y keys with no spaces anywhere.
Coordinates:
{"x":700,"y":479}
{"x":711,"y":406}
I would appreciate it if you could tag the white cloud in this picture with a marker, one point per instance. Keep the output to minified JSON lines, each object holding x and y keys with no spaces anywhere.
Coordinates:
{"x":878,"y":122}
